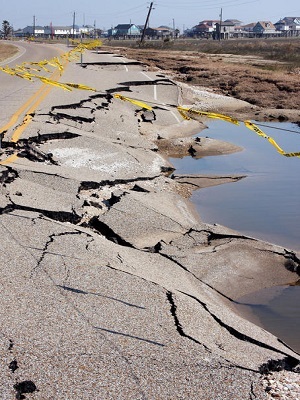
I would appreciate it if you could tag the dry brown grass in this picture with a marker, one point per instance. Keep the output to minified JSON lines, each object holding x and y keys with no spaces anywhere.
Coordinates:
{"x":245,"y":77}
{"x":285,"y":50}
{"x":7,"y":51}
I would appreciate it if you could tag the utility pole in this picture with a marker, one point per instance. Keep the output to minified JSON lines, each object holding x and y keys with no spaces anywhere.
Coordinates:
{"x":51,"y":29}
{"x":74,"y":25}
{"x":33,"y":30}
{"x":146,"y":23}
{"x":220,"y":26}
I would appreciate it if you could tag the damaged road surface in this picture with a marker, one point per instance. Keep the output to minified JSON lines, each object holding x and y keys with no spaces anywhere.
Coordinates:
{"x":111,"y":286}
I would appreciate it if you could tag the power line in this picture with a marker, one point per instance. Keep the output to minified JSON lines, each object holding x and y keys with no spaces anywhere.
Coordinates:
{"x":275,"y":127}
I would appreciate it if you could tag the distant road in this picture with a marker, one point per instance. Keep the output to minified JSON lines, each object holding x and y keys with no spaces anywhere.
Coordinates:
{"x":14,"y":91}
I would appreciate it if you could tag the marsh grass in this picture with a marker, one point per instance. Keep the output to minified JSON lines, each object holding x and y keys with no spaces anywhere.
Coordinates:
{"x":284,"y":50}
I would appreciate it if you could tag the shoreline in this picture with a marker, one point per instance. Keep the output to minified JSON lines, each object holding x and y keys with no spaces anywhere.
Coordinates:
{"x":176,"y":141}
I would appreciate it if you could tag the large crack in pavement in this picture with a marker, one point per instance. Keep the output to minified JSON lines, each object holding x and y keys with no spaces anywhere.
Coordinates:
{"x":177,"y":323}
{"x":241,"y":336}
{"x":288,"y":363}
{"x":162,"y":81}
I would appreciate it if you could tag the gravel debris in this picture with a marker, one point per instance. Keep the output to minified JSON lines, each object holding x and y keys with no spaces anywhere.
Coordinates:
{"x":283,"y":385}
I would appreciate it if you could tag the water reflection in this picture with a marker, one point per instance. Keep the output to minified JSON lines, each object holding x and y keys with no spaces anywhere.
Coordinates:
{"x":277,"y":310}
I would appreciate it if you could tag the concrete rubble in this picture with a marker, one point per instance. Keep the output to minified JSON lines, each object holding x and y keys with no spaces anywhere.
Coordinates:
{"x":111,"y":286}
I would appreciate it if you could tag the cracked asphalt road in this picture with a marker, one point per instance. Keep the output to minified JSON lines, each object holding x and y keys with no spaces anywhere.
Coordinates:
{"x":111,"y":286}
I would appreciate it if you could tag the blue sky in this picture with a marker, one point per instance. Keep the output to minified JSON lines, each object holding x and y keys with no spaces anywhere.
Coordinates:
{"x":183,"y":14}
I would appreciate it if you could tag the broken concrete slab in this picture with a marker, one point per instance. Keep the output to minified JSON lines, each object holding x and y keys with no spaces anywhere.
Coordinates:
{"x":196,"y":147}
{"x":44,"y":192}
{"x":144,"y":219}
{"x":189,"y":291}
{"x":194,"y":182}
{"x":246,"y":264}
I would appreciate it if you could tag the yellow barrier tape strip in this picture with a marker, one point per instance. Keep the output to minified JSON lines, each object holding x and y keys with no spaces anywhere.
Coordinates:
{"x":25,"y":76}
{"x":208,"y":114}
{"x":53,"y":83}
{"x":81,"y":87}
{"x":136,"y":102}
{"x":26,"y":68}
{"x":257,"y":130}
{"x":70,"y":56}
{"x":8,"y":70}
{"x":56,"y":63}
{"x":41,"y":64}
{"x":184,"y":111}
{"x":292,"y":154}
{"x":17,"y":72}
{"x":183,"y":114}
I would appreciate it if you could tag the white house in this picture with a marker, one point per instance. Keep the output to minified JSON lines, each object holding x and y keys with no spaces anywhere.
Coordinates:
{"x":289,"y":26}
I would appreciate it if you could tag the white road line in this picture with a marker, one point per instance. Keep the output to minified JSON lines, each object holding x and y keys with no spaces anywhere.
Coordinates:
{"x":125,"y":66}
{"x":175,"y":116}
{"x":155,"y":97}
{"x":154,"y":86}
{"x":155,"y":92}
{"x":143,"y":73}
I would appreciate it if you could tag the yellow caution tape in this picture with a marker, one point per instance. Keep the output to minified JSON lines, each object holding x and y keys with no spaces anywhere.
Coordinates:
{"x":25,"y":76}
{"x":56,"y":63}
{"x":53,"y":83}
{"x":93,"y":44}
{"x":8,"y":70}
{"x":20,"y":68}
{"x":17,"y":72}
{"x":31,"y":68}
{"x":133,"y":101}
{"x":70,"y":56}
{"x":208,"y":114}
{"x":183,"y":114}
{"x":292,"y":154}
{"x":25,"y":69}
{"x":257,"y":130}
{"x":79,"y":86}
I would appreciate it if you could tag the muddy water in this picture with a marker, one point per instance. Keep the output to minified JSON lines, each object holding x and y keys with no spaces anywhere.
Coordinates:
{"x":265,"y":205}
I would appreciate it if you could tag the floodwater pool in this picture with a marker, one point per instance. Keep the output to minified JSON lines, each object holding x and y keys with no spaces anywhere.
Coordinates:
{"x":265,"y":204}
